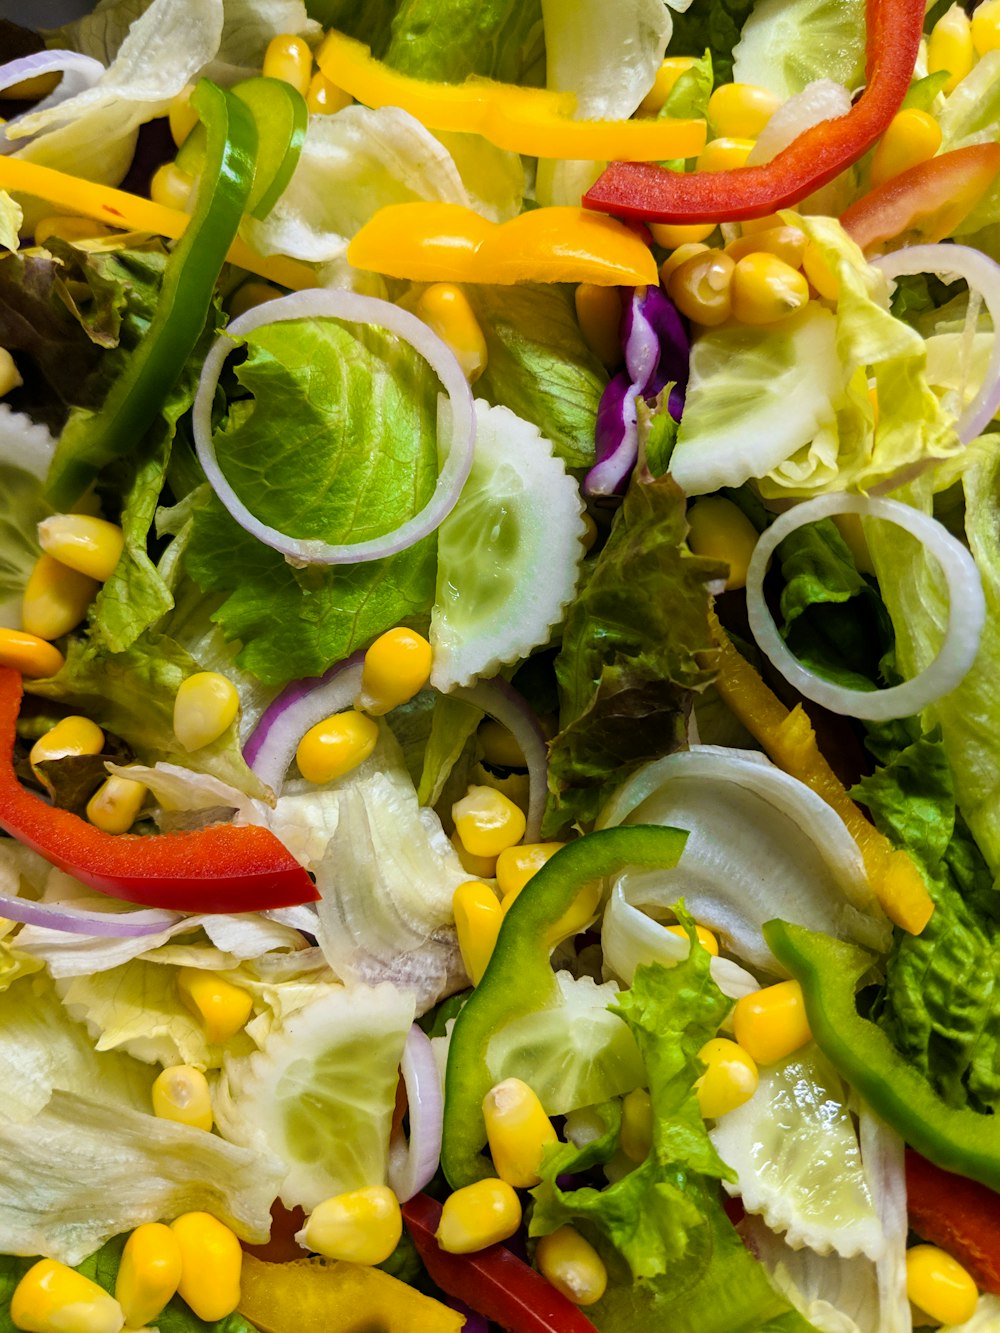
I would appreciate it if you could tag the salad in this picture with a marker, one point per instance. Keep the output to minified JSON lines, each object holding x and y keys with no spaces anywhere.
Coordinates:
{"x":499,"y":631}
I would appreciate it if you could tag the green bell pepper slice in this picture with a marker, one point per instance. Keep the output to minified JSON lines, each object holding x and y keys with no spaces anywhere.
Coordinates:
{"x":519,"y":979}
{"x":955,"y":1138}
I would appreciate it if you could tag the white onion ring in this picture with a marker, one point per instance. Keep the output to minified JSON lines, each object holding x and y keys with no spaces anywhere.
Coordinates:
{"x":966,"y":611}
{"x":79,"y":921}
{"x":412,"y":1164}
{"x":980,"y":272}
{"x":457,"y":426}
{"x":503,"y":703}
{"x":79,"y":72}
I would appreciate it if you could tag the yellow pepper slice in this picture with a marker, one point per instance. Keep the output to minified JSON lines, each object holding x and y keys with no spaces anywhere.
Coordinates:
{"x":131,"y":212}
{"x":533,"y":121}
{"x":789,"y":740}
{"x":428,"y":242}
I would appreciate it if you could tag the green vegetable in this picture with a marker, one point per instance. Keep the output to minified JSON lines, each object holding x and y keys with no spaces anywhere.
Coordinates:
{"x":718,"y":21}
{"x":787,"y":44}
{"x":688,"y":98}
{"x":447,"y":40}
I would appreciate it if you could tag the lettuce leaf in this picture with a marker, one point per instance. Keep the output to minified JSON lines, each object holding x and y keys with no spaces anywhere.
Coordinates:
{"x":715,"y":25}
{"x":447,"y":40}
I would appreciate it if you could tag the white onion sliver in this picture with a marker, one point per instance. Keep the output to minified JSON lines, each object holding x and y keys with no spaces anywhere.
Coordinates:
{"x":78,"y":921}
{"x":983,"y":275}
{"x":335,"y":692}
{"x":412,"y":1165}
{"x":503,"y":703}
{"x":457,"y":426}
{"x":79,"y":72}
{"x":966,"y":614}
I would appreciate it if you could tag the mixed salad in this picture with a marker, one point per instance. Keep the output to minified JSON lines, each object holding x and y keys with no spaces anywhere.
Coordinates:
{"x":499,"y":641}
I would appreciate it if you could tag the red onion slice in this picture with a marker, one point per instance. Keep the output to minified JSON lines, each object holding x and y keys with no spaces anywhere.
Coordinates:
{"x":412,"y":1164}
{"x":981,"y":273}
{"x":78,"y":921}
{"x":456,"y":428}
{"x":503,"y":703}
{"x":79,"y":73}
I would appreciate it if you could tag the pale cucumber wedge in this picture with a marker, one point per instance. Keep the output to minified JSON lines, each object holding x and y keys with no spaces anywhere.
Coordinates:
{"x":786,"y":44}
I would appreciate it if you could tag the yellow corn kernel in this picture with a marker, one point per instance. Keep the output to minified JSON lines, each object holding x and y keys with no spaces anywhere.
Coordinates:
{"x":288,"y":58}
{"x":56,"y":598}
{"x":478,"y":1215}
{"x":912,"y":136}
{"x":741,"y":110}
{"x":939,"y":1286}
{"x":205,"y":705}
{"x":672,"y":235}
{"x":211,"y":1260}
{"x":362,"y":1226}
{"x":819,"y":272}
{"x":478,"y":918}
{"x":170,"y":187}
{"x":516,"y":865}
{"x":487,"y":822}
{"x":637,"y":1125}
{"x":724,"y":153}
{"x":149,"y":1273}
{"x":729,"y":1080}
{"x":599,"y":314}
{"x":950,"y":48}
{"x":445,"y":309}
{"x":771,"y":1023}
{"x":181,"y":1094}
{"x":576,"y":917}
{"x":29,"y":654}
{"x":765,"y":289}
{"x":397,"y":666}
{"x":518,"y":1132}
{"x":93,"y":546}
{"x":719,"y":529}
{"x":222,"y":1007}
{"x":590,"y":533}
{"x":788,"y":243}
{"x":115,"y":806}
{"x":705,"y":937}
{"x":10,"y":376}
{"x":986,"y":27}
{"x":572,"y":1265}
{"x":680,"y":256}
{"x":483,"y":867}
{"x":52,"y":1298}
{"x":181,"y":116}
{"x":498,"y":745}
{"x":336,"y":745}
{"x":67,"y":228}
{"x":700,"y":288}
{"x":663,"y":85}
{"x":767,"y":223}
{"x":324,"y":98}
{"x":73,"y":735}
{"x":249,"y":295}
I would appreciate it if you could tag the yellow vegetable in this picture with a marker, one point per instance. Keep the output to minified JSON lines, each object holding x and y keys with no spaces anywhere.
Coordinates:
{"x":572,"y":1265}
{"x":52,"y":1298}
{"x":148,"y":1274}
{"x":771,"y":1023}
{"x":478,"y":1215}
{"x":396,"y":667}
{"x":211,"y":1259}
{"x":362,"y":1226}
{"x":336,"y":745}
{"x":518,"y":1132}
{"x":729,"y":1080}
{"x":205,"y":706}
{"x":478,"y":917}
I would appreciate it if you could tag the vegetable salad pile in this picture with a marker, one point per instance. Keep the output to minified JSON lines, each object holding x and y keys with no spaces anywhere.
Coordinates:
{"x":499,"y":629}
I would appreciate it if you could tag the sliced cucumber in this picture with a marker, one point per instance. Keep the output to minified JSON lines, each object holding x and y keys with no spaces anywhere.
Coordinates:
{"x":786,"y":44}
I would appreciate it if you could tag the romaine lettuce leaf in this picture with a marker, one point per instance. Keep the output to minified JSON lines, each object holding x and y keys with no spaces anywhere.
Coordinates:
{"x":715,"y":24}
{"x":447,"y":40}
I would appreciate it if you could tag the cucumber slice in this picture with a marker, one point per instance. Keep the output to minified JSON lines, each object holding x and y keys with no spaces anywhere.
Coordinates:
{"x":786,"y":44}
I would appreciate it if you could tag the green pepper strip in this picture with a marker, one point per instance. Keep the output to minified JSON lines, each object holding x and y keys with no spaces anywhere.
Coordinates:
{"x":520,"y":980}
{"x":828,"y":970}
{"x":185,"y":300}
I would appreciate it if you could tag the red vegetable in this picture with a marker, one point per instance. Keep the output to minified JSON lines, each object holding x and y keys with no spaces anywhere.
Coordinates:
{"x":958,"y":1215}
{"x":494,"y":1282}
{"x":223,"y":868}
{"x":644,"y":190}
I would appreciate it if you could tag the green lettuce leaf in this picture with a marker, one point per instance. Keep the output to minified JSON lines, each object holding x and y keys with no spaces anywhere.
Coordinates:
{"x":447,"y":40}
{"x":716,"y":25}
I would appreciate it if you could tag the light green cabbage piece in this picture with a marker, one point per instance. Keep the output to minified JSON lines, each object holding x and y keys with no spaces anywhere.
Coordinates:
{"x":971,"y":114}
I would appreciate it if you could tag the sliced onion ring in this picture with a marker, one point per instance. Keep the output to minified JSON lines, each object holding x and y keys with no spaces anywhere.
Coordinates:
{"x":981,"y":273}
{"x":503,"y":703}
{"x":412,"y":1165}
{"x":79,"y":72}
{"x":79,"y":921}
{"x":966,"y":612}
{"x":456,"y":426}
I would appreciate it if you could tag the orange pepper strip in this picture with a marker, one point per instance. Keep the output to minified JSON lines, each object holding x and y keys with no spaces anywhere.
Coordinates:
{"x":533,"y":121}
{"x":131,"y":212}
{"x":789,"y":740}
{"x":429,"y":242}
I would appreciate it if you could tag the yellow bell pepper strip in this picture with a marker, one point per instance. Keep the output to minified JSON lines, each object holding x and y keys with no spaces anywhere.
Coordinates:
{"x":317,"y":1296}
{"x":533,"y":121}
{"x":430,"y":242}
{"x":789,"y":740}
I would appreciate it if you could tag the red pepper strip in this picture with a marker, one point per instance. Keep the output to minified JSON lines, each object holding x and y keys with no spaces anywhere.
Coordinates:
{"x":644,"y":190}
{"x":493,"y":1282}
{"x":223,"y":868}
{"x":960,"y":1216}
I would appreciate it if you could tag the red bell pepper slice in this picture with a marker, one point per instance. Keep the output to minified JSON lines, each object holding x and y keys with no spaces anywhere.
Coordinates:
{"x":223,"y":868}
{"x":645,"y":190}
{"x":493,"y":1282}
{"x":960,"y":1216}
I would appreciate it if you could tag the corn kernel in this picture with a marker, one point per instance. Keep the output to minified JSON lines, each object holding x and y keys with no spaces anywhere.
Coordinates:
{"x":720,"y":530}
{"x":478,"y":918}
{"x":663,"y":85}
{"x":249,"y":295}
{"x":577,"y":916}
{"x":741,"y":110}
{"x":950,"y":48}
{"x":771,"y":1023}
{"x":181,"y":115}
{"x":487,"y":822}
{"x":397,"y":666}
{"x":325,"y":98}
{"x":362,"y":1226}
{"x":599,"y":314}
{"x":724,"y":154}
{"x":680,"y":256}
{"x":518,"y":1132}
{"x":56,"y":598}
{"x":788,"y":243}
{"x":939,"y":1286}
{"x":445,"y":309}
{"x":637,"y":1125}
{"x":911,"y":137}
{"x":767,"y":223}
{"x":115,"y":805}
{"x":288,"y":58}
{"x":92,"y":546}
{"x":222,"y":1008}
{"x":705,"y":937}
{"x":171,"y":187}
{"x":336,"y":745}
{"x":71,"y":736}
{"x":148,"y":1274}
{"x":765,"y":289}
{"x":672,"y":235}
{"x":478,"y":1215}
{"x":498,"y":744}
{"x":10,"y":376}
{"x":483,"y":867}
{"x":181,"y":1094}
{"x":211,"y":1263}
{"x":729,"y":1080}
{"x":205,"y":706}
{"x":516,"y":865}
{"x":52,"y":1298}
{"x":572,"y":1265}
{"x":986,"y":27}
{"x":29,"y":654}
{"x":700,"y":288}
{"x":819,"y":273}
